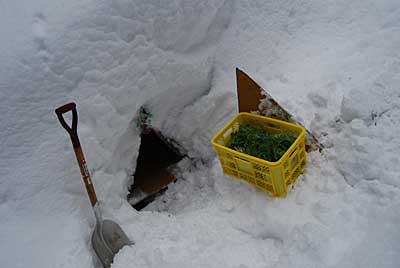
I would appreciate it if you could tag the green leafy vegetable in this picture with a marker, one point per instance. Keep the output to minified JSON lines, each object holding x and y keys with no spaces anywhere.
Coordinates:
{"x":256,"y":142}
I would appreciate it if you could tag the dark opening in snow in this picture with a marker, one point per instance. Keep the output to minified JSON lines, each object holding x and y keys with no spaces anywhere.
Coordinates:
{"x":157,"y":155}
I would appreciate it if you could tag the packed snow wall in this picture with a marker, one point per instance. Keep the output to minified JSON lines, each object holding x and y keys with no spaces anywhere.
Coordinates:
{"x":113,"y":59}
{"x":110,"y":58}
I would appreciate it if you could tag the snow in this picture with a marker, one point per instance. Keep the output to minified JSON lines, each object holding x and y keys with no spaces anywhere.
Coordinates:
{"x":333,"y":64}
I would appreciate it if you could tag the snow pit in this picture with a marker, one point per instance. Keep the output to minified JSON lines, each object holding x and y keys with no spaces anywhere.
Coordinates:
{"x":157,"y":156}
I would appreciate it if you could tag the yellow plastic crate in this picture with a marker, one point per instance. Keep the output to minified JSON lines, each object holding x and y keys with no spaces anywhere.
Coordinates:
{"x":272,"y":177}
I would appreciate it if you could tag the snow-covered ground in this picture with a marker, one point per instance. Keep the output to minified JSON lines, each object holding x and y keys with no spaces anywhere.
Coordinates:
{"x":334,"y":64}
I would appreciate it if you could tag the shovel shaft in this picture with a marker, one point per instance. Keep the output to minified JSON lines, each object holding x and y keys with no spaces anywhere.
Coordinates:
{"x":85,"y":175}
{"x":73,"y":133}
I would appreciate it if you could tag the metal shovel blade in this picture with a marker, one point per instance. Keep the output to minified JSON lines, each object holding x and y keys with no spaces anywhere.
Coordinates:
{"x":107,"y":239}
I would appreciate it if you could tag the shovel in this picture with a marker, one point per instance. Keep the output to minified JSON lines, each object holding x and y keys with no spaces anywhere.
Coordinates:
{"x":108,"y":237}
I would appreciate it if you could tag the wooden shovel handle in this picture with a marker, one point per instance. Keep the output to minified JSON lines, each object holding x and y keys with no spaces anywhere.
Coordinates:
{"x":73,"y":133}
{"x":86,"y":175}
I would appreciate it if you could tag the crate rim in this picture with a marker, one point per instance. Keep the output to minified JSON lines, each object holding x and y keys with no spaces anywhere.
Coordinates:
{"x":229,"y":124}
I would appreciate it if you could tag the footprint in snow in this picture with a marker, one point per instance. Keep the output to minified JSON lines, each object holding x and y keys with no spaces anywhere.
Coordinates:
{"x":39,"y":29}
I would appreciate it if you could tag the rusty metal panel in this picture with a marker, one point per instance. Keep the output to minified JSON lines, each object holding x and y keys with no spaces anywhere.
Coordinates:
{"x":248,"y":91}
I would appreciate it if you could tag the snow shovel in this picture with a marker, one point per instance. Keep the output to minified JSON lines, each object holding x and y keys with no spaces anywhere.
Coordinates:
{"x":108,"y":237}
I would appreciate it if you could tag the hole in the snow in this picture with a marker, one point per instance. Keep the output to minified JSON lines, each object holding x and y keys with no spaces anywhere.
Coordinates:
{"x":157,"y":155}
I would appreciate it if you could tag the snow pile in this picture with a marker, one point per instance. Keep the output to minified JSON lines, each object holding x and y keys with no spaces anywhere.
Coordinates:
{"x":110,"y":58}
{"x":334,"y":64}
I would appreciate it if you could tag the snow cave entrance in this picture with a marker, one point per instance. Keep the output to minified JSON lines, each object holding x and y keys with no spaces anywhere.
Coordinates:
{"x":157,"y":157}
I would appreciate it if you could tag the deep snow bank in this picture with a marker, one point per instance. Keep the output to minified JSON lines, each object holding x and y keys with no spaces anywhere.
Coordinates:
{"x":110,"y":58}
{"x":328,"y":64}
{"x":333,"y":63}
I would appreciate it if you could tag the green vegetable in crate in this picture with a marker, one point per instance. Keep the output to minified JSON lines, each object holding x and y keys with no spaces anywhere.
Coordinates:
{"x":256,"y":142}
